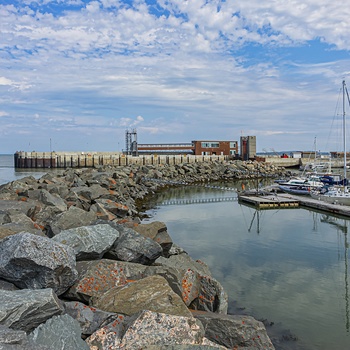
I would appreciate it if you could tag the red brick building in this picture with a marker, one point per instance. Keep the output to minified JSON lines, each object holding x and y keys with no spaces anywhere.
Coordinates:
{"x":225,"y":148}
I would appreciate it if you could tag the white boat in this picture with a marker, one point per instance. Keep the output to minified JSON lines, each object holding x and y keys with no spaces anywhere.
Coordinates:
{"x":337,"y":194}
{"x":311,"y":182}
{"x":334,"y":195}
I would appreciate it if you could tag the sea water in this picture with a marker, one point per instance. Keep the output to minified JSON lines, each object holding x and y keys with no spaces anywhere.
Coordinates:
{"x":9,"y":173}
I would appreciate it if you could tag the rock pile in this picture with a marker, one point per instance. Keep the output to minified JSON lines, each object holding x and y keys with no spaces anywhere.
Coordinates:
{"x":78,"y":270}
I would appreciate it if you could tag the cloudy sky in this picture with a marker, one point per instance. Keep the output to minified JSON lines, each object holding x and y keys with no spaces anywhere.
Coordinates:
{"x":76,"y":74}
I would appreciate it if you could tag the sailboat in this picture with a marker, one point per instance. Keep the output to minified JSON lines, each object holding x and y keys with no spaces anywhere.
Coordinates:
{"x":337,"y":194}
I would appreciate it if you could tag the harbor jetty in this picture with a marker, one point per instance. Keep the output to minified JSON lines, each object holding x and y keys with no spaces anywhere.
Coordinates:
{"x":37,"y":160}
{"x":81,"y":269}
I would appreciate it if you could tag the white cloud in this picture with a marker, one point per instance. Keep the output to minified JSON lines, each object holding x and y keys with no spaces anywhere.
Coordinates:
{"x":200,"y":62}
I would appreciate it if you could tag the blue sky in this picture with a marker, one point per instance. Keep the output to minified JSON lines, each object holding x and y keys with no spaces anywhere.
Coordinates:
{"x":75,"y":74}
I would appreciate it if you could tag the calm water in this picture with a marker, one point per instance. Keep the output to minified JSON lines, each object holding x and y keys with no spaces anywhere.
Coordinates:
{"x":9,"y":173}
{"x":288,"y":266}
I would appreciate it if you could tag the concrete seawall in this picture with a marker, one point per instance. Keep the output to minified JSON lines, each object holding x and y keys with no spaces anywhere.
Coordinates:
{"x":93,"y":159}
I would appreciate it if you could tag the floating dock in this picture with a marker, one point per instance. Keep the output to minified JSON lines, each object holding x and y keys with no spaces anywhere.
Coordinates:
{"x":308,"y":202}
{"x":284,"y":200}
{"x":272,"y":201}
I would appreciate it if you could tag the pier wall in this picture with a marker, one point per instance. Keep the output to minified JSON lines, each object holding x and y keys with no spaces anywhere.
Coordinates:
{"x":283,"y":162}
{"x":93,"y":159}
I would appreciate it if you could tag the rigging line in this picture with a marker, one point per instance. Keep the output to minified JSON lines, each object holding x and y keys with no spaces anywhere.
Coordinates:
{"x":337,"y":107}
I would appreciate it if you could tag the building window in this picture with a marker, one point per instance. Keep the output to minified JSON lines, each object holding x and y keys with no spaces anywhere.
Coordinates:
{"x":210,"y":144}
{"x":232,"y":144}
{"x":232,"y":152}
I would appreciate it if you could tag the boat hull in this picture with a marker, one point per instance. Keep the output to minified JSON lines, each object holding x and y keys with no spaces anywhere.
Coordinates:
{"x":342,"y":198}
{"x":300,"y":190}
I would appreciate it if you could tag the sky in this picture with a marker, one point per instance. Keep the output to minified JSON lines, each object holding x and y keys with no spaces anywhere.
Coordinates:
{"x":76,"y":74}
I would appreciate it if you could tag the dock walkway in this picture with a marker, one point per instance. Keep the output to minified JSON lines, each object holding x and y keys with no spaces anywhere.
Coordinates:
{"x":306,"y":201}
{"x":285,"y":200}
{"x":270,"y":201}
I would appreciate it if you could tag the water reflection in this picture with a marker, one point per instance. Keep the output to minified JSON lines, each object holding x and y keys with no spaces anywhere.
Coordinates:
{"x":288,"y":266}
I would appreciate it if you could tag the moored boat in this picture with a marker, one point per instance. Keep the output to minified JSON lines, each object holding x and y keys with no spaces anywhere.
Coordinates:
{"x":300,"y":190}
{"x":337,"y":194}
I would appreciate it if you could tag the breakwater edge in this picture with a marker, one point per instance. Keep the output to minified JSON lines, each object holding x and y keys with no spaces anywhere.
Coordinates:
{"x":77,"y":259}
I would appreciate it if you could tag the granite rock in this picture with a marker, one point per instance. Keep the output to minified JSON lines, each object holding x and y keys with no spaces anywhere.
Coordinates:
{"x":35,"y":262}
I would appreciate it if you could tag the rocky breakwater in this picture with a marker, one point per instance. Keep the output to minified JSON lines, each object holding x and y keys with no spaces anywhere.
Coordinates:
{"x":78,"y":270}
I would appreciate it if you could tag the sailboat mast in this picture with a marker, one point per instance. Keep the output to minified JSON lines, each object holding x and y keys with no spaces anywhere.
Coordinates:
{"x":344,"y":130}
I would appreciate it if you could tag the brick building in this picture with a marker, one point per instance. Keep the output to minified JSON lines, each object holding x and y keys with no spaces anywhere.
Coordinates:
{"x":224,"y":148}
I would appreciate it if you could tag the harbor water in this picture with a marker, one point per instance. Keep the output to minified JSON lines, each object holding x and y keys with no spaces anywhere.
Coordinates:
{"x":287,"y":267}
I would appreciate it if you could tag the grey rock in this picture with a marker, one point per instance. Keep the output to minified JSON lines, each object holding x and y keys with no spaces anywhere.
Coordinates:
{"x":89,"y":318}
{"x":26,"y":309}
{"x":88,"y":242}
{"x":157,"y":231}
{"x":207,"y":346}
{"x":5,"y":285}
{"x":4,"y":217}
{"x":211,"y":296}
{"x":17,"y":227}
{"x":59,"y":332}
{"x":147,"y":328}
{"x":49,"y":199}
{"x":21,"y":222}
{"x":151,"y":293}
{"x":10,"y":337}
{"x":184,"y":261}
{"x":73,"y":217}
{"x":23,"y":206}
{"x":235,"y":331}
{"x":133,"y":247}
{"x":99,"y":276}
{"x":36,"y":262}
{"x":118,"y":209}
{"x":91,"y":193}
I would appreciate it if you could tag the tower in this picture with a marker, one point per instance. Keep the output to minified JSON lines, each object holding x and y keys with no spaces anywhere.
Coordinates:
{"x":248,"y":147}
{"x":131,"y":142}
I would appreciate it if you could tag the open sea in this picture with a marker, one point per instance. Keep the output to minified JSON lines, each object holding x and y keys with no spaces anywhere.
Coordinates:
{"x":287,"y":267}
{"x":9,"y":173}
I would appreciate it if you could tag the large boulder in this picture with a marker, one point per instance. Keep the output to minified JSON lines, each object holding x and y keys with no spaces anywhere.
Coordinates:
{"x":235,"y":331}
{"x":157,"y":231}
{"x":36,"y":262}
{"x":20,"y":222}
{"x":26,"y":309}
{"x":95,"y":278}
{"x":199,"y":289}
{"x":89,"y":242}
{"x":118,"y":209}
{"x":133,"y":247}
{"x":73,"y":217}
{"x":59,"y":332}
{"x":89,"y":318}
{"x":147,"y":328}
{"x":151,"y":293}
{"x":90,"y":193}
{"x":49,"y":199}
